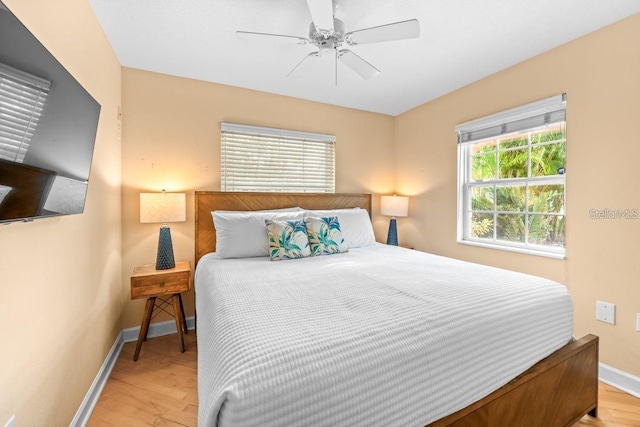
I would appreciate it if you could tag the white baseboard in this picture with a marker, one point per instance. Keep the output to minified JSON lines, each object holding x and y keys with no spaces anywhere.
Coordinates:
{"x":126,"y":335}
{"x":91,"y":398}
{"x":159,"y":329}
{"x":619,"y":379}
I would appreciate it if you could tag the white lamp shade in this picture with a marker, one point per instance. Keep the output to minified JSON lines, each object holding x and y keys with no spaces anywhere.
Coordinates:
{"x":394,"y":205}
{"x":162,"y":207}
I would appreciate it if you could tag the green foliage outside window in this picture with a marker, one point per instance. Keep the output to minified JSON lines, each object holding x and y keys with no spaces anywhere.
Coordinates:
{"x":513,"y":210}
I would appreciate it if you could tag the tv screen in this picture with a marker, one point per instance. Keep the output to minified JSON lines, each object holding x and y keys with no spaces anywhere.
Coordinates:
{"x":48,"y":125}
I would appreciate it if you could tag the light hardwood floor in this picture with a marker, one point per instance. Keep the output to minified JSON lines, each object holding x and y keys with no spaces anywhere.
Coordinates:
{"x":160,"y":389}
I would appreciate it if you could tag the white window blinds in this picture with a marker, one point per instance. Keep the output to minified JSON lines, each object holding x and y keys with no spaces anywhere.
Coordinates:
{"x":536,"y":114}
{"x":22,"y":98}
{"x":265,"y":159}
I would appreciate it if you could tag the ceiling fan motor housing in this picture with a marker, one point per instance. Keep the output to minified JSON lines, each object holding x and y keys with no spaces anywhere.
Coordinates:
{"x":327,"y":40}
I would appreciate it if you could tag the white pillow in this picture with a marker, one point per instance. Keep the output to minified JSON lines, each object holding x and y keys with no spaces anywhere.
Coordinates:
{"x":244,"y":234}
{"x":355,"y":225}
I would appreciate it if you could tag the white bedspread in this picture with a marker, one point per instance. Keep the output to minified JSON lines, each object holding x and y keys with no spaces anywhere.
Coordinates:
{"x":379,"y":336}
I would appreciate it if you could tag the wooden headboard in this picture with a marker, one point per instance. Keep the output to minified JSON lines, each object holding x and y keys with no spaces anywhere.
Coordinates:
{"x":208,"y":201}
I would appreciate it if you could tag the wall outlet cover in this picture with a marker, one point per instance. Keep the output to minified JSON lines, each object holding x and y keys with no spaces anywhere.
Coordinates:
{"x":606,"y":312}
{"x":11,"y":422}
{"x":638,"y":322}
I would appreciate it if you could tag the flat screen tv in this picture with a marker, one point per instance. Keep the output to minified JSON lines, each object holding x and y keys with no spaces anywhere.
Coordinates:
{"x":48,"y":125}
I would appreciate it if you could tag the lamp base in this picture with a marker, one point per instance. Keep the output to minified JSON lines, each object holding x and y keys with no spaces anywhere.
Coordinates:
{"x":392,"y":235}
{"x":165,"y":260}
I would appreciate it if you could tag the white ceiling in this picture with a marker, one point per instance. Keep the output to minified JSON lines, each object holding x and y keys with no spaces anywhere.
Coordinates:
{"x":461,"y":41}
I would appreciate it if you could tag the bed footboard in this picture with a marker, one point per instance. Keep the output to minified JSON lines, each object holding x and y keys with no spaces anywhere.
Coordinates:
{"x":557,"y":391}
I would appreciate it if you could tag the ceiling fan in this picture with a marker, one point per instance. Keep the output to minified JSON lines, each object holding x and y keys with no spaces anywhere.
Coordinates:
{"x":328,"y":35}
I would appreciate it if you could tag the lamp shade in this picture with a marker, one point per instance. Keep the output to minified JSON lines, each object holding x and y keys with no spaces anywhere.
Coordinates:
{"x":394,"y":205}
{"x":162,"y":207}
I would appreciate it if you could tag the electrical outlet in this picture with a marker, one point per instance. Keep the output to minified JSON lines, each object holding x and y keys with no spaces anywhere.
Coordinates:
{"x":638,"y":322}
{"x":606,"y":312}
{"x":11,"y":422}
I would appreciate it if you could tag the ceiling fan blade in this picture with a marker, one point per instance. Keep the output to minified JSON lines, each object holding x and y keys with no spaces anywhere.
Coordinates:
{"x":305,"y":65}
{"x":358,"y":65}
{"x":397,"y":31}
{"x":321,"y":13}
{"x":250,"y":35}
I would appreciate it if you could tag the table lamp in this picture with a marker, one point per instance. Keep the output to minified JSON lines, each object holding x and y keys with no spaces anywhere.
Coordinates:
{"x":163,"y":208}
{"x":394,"y":206}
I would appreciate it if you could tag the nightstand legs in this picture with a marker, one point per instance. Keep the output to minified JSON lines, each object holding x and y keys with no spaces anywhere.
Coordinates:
{"x":180,"y":321}
{"x":144,"y":329}
{"x":184,"y":319}
{"x":178,"y":314}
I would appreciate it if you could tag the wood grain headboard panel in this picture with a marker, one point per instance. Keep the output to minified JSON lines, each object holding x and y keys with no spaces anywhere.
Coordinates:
{"x":208,"y":201}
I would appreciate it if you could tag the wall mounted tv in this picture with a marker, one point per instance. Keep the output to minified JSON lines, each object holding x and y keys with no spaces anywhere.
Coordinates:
{"x":48,"y":125}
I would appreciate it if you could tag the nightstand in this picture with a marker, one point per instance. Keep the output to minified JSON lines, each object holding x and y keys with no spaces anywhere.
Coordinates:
{"x":162,"y":288}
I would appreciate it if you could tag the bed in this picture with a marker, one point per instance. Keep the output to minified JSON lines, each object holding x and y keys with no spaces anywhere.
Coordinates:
{"x":262,"y":362}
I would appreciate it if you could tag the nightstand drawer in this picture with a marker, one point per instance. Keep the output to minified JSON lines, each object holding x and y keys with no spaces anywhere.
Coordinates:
{"x":146,"y":281}
{"x":145,"y":286}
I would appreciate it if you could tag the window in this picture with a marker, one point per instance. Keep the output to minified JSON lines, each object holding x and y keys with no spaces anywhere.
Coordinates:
{"x":22,"y":98}
{"x":511,"y":169}
{"x":265,"y":159}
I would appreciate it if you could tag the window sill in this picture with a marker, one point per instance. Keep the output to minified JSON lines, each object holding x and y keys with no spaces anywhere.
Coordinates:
{"x":553,"y":255}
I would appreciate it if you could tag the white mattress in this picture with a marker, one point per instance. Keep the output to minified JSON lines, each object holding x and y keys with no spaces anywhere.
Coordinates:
{"x":377,"y":336}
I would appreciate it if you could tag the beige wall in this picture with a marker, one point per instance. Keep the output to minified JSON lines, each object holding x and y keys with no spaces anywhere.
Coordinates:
{"x":60,"y":277}
{"x":171,"y":134}
{"x":601,"y":75}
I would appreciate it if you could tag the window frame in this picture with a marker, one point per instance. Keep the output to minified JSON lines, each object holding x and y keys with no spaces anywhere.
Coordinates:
{"x":466,"y":182}
{"x":303,"y":149}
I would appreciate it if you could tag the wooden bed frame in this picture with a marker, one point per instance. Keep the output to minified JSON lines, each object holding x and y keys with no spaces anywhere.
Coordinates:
{"x":557,"y":391}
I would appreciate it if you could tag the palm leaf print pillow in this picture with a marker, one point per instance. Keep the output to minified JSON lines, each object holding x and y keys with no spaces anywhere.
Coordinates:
{"x":287,"y":239}
{"x":325,"y":236}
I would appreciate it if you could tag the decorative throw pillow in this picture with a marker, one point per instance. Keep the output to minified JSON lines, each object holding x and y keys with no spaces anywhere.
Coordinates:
{"x":355,"y":225}
{"x":325,"y":236}
{"x":287,"y":239}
